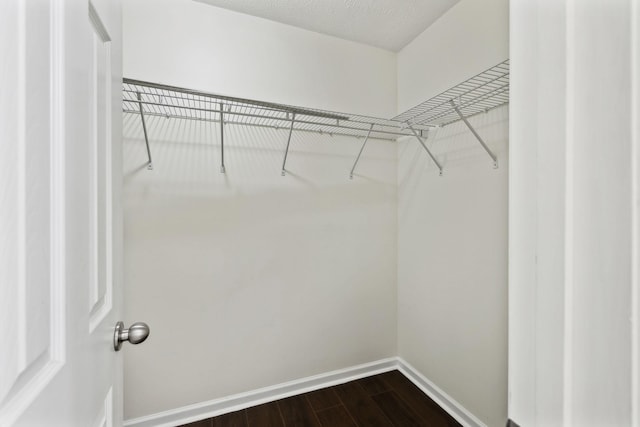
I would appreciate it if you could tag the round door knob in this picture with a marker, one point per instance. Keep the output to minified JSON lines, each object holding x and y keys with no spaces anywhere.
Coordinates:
{"x":137,"y":333}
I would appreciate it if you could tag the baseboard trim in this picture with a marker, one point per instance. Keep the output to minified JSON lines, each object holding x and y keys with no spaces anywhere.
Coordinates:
{"x":212,"y":408}
{"x":446,"y":402}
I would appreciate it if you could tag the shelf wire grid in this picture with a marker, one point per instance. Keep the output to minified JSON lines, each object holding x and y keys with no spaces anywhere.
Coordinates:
{"x":175,"y":102}
{"x":479,"y":94}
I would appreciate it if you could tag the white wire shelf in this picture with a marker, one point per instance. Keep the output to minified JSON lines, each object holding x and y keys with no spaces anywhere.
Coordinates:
{"x":175,"y":102}
{"x":479,"y":94}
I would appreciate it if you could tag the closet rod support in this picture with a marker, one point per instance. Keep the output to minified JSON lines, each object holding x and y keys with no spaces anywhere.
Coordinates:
{"x":284,"y":161}
{"x":360,"y":153}
{"x":427,"y":150}
{"x":222,"y":168}
{"x":473,"y":131}
{"x":144,"y":129}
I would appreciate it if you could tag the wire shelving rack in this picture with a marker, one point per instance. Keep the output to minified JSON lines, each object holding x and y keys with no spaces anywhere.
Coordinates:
{"x":479,"y":94}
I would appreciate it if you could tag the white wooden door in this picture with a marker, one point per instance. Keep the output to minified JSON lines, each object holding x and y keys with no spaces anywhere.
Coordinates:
{"x":60,"y":218}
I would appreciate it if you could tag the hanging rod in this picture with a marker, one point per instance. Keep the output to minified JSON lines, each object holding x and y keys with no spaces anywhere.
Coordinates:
{"x":266,"y":105}
{"x":175,"y":102}
{"x":390,"y":134}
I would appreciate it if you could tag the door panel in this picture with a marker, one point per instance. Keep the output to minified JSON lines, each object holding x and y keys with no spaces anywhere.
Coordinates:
{"x":101,"y":286}
{"x":32,"y":265}
{"x":105,"y":416}
{"x":59,"y":219}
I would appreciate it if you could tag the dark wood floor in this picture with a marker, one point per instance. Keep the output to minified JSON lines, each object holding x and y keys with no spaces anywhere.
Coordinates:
{"x":385,"y":400}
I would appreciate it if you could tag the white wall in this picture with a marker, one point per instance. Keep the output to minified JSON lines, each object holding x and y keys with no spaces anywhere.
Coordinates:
{"x":250,"y":279}
{"x":452,"y":238}
{"x":574,"y":209}
{"x":194,"y":45}
{"x":452,"y":265}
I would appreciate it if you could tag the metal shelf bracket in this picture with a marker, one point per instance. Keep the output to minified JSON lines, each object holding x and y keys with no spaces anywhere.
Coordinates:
{"x":360,"y":153}
{"x":284,"y":161}
{"x":473,"y":131}
{"x":144,"y":129}
{"x":222,"y":168}
{"x":427,"y":150}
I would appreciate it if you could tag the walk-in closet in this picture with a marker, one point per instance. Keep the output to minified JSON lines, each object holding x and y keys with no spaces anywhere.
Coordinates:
{"x":301,"y":210}
{"x":320,"y":213}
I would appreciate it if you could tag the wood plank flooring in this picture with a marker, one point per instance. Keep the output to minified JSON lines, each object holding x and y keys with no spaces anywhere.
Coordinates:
{"x":385,"y":400}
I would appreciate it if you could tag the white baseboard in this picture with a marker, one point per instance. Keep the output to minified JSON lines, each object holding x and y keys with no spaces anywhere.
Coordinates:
{"x":446,"y":402}
{"x":212,"y":408}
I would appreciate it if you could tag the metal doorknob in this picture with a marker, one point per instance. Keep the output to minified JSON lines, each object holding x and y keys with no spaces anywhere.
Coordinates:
{"x":137,"y":333}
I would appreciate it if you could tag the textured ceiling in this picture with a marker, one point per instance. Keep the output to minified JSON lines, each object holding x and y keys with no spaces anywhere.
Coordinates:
{"x":389,"y":24}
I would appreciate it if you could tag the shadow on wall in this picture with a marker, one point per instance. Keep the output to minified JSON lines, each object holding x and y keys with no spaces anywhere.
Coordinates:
{"x":189,"y":151}
{"x":462,"y":157}
{"x":187,"y":193}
